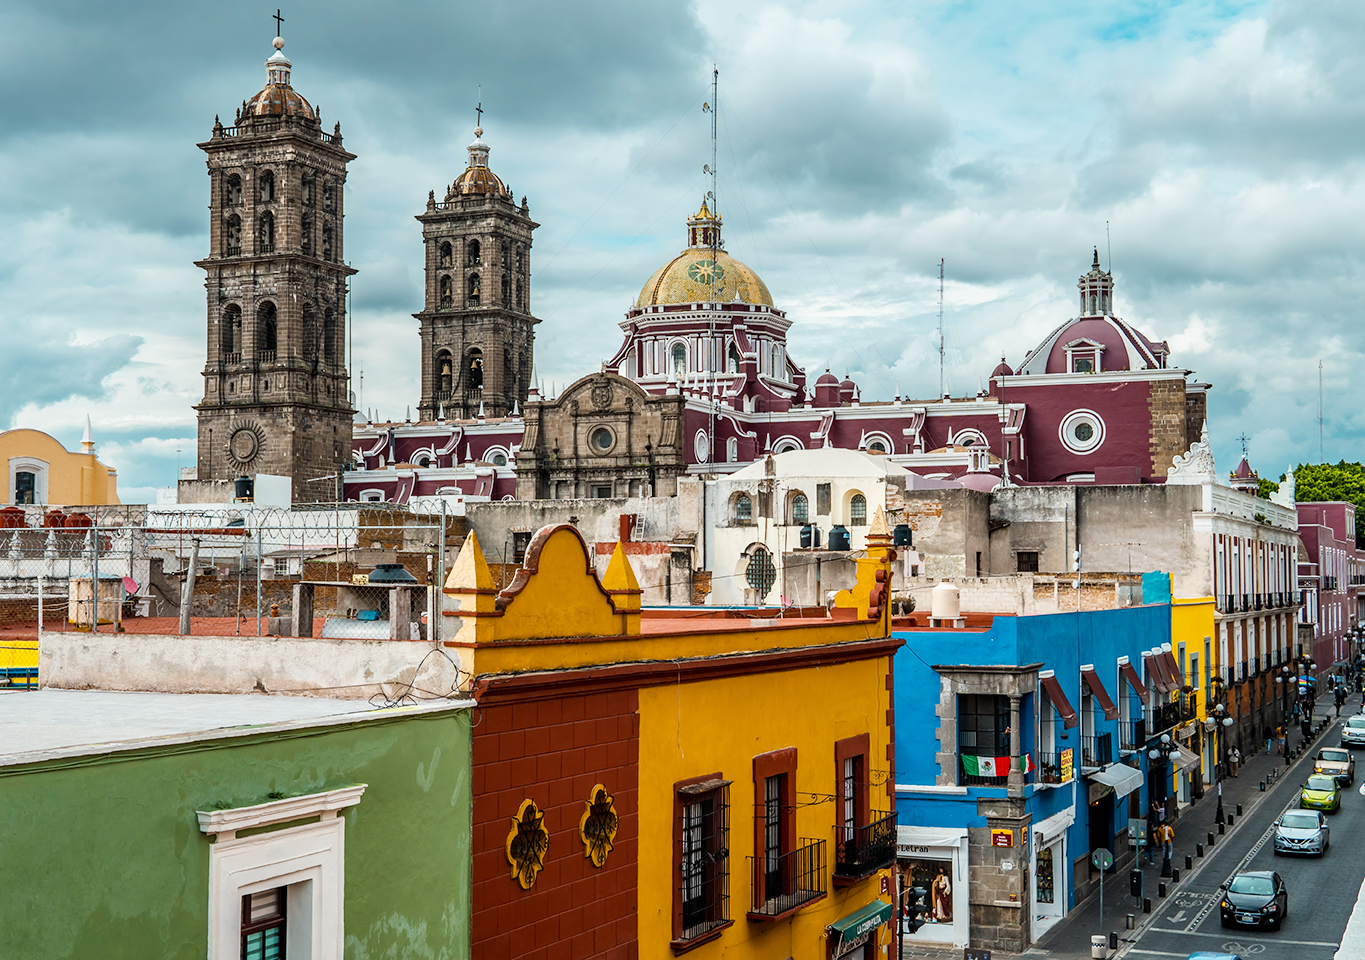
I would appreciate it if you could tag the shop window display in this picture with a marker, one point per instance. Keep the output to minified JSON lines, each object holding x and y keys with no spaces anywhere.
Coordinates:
{"x":932,"y":878}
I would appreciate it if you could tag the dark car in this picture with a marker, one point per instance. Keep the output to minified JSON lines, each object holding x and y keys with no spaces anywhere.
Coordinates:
{"x":1254,"y":899}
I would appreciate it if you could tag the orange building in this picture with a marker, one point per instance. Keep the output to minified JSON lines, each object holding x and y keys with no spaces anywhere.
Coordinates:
{"x":653,"y":783}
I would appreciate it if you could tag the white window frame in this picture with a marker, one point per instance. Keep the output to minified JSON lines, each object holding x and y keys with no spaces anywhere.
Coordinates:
{"x":39,"y":469}
{"x":1074,"y":418}
{"x":308,"y":860}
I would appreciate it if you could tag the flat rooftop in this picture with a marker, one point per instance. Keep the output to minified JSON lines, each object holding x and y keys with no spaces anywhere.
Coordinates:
{"x":43,"y":724}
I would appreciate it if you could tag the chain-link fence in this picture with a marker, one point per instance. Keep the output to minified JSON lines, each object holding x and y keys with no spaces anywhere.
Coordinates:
{"x":364,"y":571}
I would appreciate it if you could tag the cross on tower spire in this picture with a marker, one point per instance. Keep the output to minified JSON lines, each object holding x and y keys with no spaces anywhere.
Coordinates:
{"x":478,"y":121}
{"x":278,"y":20}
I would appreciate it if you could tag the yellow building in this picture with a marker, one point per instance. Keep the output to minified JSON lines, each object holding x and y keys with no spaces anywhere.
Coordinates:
{"x":653,"y":783}
{"x":42,"y":471}
{"x":1199,"y":736}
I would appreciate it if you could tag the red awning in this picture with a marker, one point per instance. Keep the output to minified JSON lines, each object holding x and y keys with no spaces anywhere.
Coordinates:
{"x":1059,"y":701}
{"x":1128,"y":673}
{"x":1092,"y":680}
{"x":1157,"y":668}
{"x":1177,"y":674}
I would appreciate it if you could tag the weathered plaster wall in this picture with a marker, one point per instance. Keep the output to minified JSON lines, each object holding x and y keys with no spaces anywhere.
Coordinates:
{"x":950,"y":527}
{"x":299,"y":666}
{"x":123,"y":872}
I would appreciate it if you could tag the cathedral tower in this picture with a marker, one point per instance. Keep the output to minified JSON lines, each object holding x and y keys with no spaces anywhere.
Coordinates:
{"x":276,"y":395}
{"x":478,"y":335}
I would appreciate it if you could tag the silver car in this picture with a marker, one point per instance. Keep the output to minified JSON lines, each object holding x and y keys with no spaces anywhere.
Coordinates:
{"x":1302,"y":831}
{"x":1353,"y":731}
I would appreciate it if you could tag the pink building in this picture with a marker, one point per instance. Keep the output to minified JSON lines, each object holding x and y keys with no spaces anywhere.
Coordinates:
{"x":1331,"y":572}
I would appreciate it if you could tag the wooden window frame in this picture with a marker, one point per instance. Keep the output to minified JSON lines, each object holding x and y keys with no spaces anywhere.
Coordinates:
{"x":773,"y":764}
{"x":853,"y":748}
{"x":680,"y":801}
{"x":278,"y":919}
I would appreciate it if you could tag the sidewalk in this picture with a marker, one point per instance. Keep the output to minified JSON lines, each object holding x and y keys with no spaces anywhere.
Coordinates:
{"x":1070,"y":938}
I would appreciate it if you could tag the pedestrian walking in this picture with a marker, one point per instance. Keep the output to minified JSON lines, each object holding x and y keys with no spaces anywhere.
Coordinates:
{"x":1165,"y":835}
{"x":1234,"y":760}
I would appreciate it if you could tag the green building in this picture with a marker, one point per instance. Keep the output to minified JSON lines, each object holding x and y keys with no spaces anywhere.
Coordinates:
{"x":137,"y":825}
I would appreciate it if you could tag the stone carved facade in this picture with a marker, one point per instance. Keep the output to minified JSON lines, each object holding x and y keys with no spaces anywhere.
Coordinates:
{"x":603,"y":436}
{"x":276,"y":392}
{"x":478,"y":335}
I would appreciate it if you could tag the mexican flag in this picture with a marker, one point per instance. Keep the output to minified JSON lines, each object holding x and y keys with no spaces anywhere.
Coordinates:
{"x":993,"y":766}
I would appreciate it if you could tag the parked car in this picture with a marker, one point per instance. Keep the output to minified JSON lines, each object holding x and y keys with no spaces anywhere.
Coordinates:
{"x":1302,"y":831}
{"x":1337,"y":762}
{"x":1257,"y":898}
{"x":1320,"y":793}
{"x":1353,"y":731}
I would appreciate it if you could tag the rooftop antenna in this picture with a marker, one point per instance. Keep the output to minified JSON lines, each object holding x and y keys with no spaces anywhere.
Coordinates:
{"x":941,"y":385}
{"x":714,"y":207}
{"x":1320,"y":459}
{"x":1108,"y":249}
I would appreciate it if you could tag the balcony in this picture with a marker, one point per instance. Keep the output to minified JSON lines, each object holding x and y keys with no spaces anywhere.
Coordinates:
{"x":1163,"y":717}
{"x":1098,"y":750}
{"x":1132,"y":734}
{"x":265,"y":355}
{"x":1050,"y":768}
{"x":1246,"y":602}
{"x":793,"y":880}
{"x":1329,"y":583}
{"x":869,"y":849}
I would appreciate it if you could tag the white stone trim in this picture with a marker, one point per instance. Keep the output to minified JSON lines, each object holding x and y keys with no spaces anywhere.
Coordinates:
{"x":1071,"y":421}
{"x":226,"y":823}
{"x":39,"y":469}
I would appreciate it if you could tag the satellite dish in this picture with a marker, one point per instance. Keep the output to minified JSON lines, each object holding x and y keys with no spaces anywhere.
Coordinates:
{"x":706,"y":168}
{"x":710,"y":195}
{"x":705,"y":107}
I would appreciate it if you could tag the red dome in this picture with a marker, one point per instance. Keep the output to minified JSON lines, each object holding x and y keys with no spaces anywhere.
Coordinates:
{"x":1002,"y":370}
{"x":827,"y":379}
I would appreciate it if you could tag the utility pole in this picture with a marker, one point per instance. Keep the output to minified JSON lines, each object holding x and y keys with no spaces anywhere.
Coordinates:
{"x":942,"y":389}
{"x":1320,"y":457}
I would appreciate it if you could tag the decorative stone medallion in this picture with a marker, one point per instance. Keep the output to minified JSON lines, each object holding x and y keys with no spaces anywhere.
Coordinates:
{"x":245,"y":443}
{"x":598,"y":826}
{"x":601,"y":395}
{"x":527,"y":843}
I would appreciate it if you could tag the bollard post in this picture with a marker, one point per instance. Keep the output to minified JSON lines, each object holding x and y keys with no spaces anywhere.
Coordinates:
{"x":1263,"y":786}
{"x":1198,"y":852}
{"x":1175,"y":875}
{"x":1189,"y":861}
{"x":1230,"y":818}
{"x":1113,"y":940}
{"x":1220,"y":829}
{"x":1130,"y":923}
{"x":1210,"y":843}
{"x":1161,"y":890}
{"x":1147,"y":905}
{"x":1239,"y":809}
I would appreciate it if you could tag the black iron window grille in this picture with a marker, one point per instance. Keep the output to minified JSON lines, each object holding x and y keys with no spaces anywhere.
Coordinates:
{"x":1132,"y":734}
{"x":788,"y":880}
{"x":868,"y":849}
{"x":983,"y":722}
{"x":704,"y":834}
{"x":1098,"y":750}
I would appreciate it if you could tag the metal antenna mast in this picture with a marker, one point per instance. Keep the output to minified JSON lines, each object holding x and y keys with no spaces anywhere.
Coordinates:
{"x":714,"y":205}
{"x":1320,"y":459}
{"x":942,"y":389}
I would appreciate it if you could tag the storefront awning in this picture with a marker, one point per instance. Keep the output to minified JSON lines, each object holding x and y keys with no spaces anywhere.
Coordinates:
{"x":858,"y":923}
{"x":1059,"y":700}
{"x":1123,"y":778}
{"x":1128,"y":673}
{"x":1096,"y":687}
{"x":1188,"y":758}
{"x":1173,"y":666}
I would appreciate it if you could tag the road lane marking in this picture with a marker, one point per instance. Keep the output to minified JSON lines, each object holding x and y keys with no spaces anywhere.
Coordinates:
{"x":1225,"y":936}
{"x":1157,"y":953}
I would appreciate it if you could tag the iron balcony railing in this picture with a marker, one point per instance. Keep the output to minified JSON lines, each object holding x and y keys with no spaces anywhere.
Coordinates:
{"x":863,"y":851}
{"x":1163,"y":716}
{"x":783,"y":883}
{"x":1098,"y":750}
{"x":1050,"y":768}
{"x":1132,"y":734}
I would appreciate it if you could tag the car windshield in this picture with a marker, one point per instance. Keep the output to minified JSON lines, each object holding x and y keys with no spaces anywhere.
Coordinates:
{"x":1357,"y":721}
{"x":1321,"y":783}
{"x":1302,"y":821}
{"x":1335,"y":756}
{"x":1255,"y":886}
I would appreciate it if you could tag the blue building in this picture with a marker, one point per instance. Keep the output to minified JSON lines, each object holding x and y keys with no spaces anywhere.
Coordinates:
{"x":1022,"y":747}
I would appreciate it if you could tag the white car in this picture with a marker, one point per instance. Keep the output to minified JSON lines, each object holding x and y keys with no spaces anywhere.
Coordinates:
{"x":1353,"y":731}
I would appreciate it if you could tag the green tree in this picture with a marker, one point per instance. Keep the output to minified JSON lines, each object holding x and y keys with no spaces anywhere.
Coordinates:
{"x":1316,"y":482}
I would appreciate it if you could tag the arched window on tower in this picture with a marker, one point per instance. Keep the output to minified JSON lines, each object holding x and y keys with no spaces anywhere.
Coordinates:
{"x":509,"y":383}
{"x":329,"y":196}
{"x":265,"y":233}
{"x":474,"y":258}
{"x":734,"y":359}
{"x":506,"y":289}
{"x":232,"y":236}
{"x":310,"y":333}
{"x":679,"y":361}
{"x":309,"y":183}
{"x":447,"y":293}
{"x":307,"y":238}
{"x":475,"y":368}
{"x":447,"y":256}
{"x":230,"y":337}
{"x":522,"y":372}
{"x":445,"y":375}
{"x":800,"y":509}
{"x":474,"y":289}
{"x":232,"y":191}
{"x":520,"y":305}
{"x":327,"y":240}
{"x":267,"y":181}
{"x":267,"y":331}
{"x":329,"y":337}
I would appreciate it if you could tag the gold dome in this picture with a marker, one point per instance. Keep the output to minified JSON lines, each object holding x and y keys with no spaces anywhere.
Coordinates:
{"x":477,"y":180}
{"x":688,"y":277}
{"x":278,"y":99}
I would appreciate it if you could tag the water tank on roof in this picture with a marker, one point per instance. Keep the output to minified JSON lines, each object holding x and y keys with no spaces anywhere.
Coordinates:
{"x":243,"y":488}
{"x":391,"y":573}
{"x":11,"y":518}
{"x":903,"y":536}
{"x":78,"y":520}
{"x":838,"y":537}
{"x":945,"y":603}
{"x":810,"y":537}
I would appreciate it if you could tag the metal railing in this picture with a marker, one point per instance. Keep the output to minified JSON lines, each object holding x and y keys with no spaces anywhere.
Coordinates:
{"x":1097,"y":750}
{"x":868,"y":849}
{"x":1050,"y":768}
{"x":1132,"y":734}
{"x":789,"y":881}
{"x":1163,"y":716}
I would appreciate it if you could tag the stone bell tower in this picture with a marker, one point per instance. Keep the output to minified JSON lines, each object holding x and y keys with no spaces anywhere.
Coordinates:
{"x":478,"y":335}
{"x":276,"y":393}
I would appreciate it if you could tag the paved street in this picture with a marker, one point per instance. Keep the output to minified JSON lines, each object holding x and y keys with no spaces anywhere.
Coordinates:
{"x":1322,"y":891}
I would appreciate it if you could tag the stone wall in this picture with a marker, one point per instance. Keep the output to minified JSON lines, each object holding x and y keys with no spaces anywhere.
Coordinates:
{"x":950,"y":528}
{"x":998,"y":877}
{"x":1166,"y":438}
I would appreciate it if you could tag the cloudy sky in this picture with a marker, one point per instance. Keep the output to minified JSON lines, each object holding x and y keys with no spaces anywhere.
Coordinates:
{"x":860,"y":142}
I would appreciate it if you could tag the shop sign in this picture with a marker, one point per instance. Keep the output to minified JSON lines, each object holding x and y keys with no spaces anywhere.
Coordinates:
{"x":1002,"y":838}
{"x":909,"y":849}
{"x":1068,"y":764}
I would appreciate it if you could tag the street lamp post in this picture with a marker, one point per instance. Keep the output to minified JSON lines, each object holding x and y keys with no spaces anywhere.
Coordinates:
{"x":1283,"y":680}
{"x":1165,"y":749}
{"x":1221,"y":717}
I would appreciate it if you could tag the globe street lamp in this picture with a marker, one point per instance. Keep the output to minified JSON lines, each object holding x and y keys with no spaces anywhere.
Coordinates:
{"x":1219,"y":716}
{"x":1283,"y":681}
{"x":1165,"y":749}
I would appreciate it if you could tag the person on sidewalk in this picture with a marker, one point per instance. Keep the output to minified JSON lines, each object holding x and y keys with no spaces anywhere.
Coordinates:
{"x":1234,"y":760}
{"x":1165,"y":835}
{"x":1149,"y":848}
